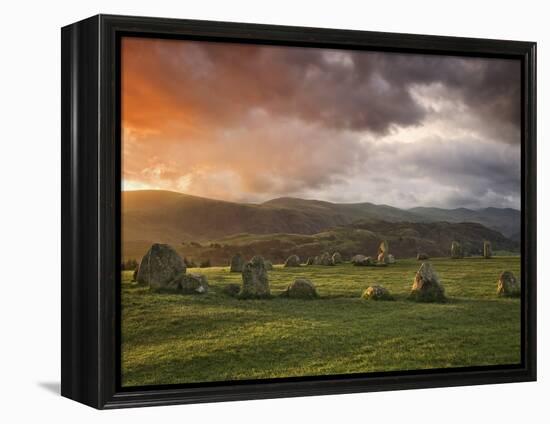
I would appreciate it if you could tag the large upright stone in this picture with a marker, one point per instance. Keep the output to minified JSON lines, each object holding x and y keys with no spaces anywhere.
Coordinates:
{"x":508,"y":285}
{"x":255,"y":281}
{"x":456,"y":250}
{"x":426,"y":286}
{"x":292,"y":260}
{"x":237,"y":263}
{"x":487,"y":250}
{"x":383,"y":252}
{"x":160,"y":265}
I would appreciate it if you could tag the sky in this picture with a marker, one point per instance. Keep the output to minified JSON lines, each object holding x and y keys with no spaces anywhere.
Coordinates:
{"x":249,"y":123}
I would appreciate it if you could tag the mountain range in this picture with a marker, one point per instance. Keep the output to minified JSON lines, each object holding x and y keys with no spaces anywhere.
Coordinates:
{"x":171,"y":217}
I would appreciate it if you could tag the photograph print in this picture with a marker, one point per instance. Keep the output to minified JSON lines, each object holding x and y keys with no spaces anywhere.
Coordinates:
{"x":299,"y":212}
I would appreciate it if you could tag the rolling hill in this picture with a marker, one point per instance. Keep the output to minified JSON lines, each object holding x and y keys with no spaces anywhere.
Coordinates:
{"x":182,"y":220}
{"x":169,"y":216}
{"x":506,"y":220}
{"x":406,"y":239}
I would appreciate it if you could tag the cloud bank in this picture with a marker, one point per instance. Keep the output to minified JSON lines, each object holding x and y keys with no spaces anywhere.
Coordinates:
{"x":250,"y":123}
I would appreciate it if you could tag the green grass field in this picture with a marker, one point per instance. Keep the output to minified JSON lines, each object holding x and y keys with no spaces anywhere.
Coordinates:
{"x":170,"y":339}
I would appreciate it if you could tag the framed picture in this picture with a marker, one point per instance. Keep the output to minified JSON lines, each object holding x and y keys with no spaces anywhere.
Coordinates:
{"x":256,"y":211}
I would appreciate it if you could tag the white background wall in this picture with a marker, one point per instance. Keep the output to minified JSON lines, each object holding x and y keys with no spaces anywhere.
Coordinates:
{"x":30,"y":198}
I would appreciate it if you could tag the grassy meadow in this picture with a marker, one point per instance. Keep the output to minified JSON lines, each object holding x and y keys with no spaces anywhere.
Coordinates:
{"x":171,"y":339}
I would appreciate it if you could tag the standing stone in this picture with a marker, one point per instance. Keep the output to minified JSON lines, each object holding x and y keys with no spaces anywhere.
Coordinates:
{"x":160,"y":265}
{"x":422,"y":257}
{"x":189,"y":284}
{"x":255,"y":281}
{"x":301,"y":288}
{"x":508,"y":285}
{"x":325,"y":259}
{"x":336,"y":258}
{"x":135,"y":274}
{"x":427,"y":286}
{"x":237,"y":263}
{"x":361,"y":260}
{"x":292,"y":260}
{"x":456,"y":250}
{"x":487,"y":250}
{"x":383,"y":252}
{"x":377,"y":293}
{"x":382,"y":260}
{"x":310,"y":261}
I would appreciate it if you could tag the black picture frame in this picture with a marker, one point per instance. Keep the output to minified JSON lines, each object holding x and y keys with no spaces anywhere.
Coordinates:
{"x":91,"y":177}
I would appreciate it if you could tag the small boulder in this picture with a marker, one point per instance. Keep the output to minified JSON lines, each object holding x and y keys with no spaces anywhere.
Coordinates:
{"x":422,"y":257}
{"x":456,"y":250}
{"x":361,"y":260}
{"x":188,"y":284}
{"x":232,"y":289}
{"x":487,"y":250}
{"x":325,"y":259}
{"x":377,"y":293}
{"x":426,"y":286}
{"x":160,"y":265}
{"x":237,"y":263}
{"x":301,"y":288}
{"x":255,"y":280}
{"x":508,"y":285}
{"x":292,"y":260}
{"x":336,"y":258}
{"x":391,"y":259}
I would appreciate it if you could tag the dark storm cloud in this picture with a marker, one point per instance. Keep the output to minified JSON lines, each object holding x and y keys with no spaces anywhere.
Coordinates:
{"x":324,"y":87}
{"x":493,"y":84}
{"x":463,"y":173}
{"x":202,"y":117}
{"x":346,"y":90}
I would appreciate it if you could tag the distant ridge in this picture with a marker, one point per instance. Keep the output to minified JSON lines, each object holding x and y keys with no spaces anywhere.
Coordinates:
{"x":506,"y":220}
{"x":165,"y":216}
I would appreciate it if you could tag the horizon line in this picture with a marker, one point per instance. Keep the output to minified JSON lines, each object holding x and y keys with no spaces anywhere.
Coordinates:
{"x":314,"y":200}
